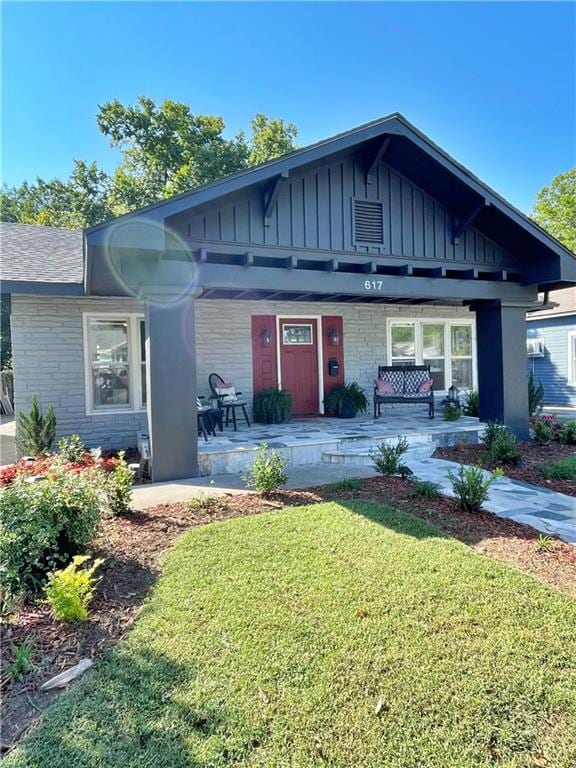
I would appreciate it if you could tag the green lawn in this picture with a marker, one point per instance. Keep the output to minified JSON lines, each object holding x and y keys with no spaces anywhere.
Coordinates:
{"x":270,"y":640}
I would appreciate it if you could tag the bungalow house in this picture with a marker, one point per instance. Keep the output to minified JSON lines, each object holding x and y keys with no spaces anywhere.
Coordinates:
{"x":371,"y":247}
{"x":552,"y":348}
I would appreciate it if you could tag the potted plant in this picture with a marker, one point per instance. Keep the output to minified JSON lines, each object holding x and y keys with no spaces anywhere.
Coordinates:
{"x":273,"y":406}
{"x":346,"y":400}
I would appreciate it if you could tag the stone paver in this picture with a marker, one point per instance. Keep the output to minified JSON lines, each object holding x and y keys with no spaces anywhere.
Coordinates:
{"x":547,"y":511}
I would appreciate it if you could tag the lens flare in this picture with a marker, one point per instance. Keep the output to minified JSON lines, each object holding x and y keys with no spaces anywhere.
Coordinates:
{"x":150,"y":263}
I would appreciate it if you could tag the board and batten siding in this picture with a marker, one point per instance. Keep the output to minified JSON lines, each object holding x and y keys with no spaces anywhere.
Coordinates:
{"x":553,"y":370}
{"x":47,"y":337}
{"x":315,"y":211}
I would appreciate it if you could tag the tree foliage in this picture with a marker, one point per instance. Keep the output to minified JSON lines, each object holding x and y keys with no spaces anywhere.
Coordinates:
{"x":165,"y":149}
{"x":555,"y":208}
{"x":81,"y":200}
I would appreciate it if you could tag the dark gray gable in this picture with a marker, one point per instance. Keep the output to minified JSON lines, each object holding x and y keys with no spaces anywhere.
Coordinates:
{"x":336,"y":207}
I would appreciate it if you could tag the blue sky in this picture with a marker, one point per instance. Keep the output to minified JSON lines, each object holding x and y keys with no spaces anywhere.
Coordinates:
{"x":493,"y":83}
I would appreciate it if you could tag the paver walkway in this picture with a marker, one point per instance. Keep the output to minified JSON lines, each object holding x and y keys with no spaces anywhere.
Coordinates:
{"x":547,"y":511}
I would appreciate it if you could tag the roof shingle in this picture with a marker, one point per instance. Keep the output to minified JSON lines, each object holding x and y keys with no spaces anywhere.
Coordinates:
{"x":30,"y":253}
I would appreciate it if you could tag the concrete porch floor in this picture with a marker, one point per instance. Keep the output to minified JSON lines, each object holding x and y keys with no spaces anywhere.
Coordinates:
{"x":327,"y":440}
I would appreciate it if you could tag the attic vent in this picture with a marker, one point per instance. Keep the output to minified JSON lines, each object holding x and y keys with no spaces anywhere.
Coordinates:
{"x":368,"y":222}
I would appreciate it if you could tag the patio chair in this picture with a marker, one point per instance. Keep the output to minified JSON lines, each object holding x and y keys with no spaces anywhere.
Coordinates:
{"x":205,"y":424}
{"x":228,"y":399}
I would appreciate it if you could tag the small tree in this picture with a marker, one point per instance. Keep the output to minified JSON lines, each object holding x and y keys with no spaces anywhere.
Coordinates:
{"x":535,"y":396}
{"x":268,"y":472}
{"x":36,"y":431}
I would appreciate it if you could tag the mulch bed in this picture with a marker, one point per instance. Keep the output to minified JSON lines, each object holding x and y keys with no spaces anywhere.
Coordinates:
{"x":533,"y":457}
{"x":132,"y":545}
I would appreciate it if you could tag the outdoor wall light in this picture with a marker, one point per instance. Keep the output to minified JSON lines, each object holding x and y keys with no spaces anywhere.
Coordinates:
{"x":334,"y":336}
{"x":266,"y":337}
{"x":454,"y":395}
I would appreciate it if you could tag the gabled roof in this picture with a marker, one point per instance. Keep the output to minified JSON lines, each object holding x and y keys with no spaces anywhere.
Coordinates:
{"x":31,"y":254}
{"x":394,"y":125}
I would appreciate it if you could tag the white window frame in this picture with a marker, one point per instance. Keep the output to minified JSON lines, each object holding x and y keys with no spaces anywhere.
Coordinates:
{"x":447,"y":322}
{"x":134,"y":362}
{"x":571,"y":358}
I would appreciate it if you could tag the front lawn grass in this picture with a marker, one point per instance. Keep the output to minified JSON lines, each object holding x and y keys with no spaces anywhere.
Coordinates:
{"x":343,"y":636}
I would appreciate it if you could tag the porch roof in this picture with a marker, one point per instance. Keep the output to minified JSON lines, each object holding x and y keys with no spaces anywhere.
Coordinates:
{"x":545,"y":263}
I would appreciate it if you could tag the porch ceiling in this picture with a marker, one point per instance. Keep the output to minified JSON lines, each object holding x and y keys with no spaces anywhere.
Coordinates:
{"x":243,"y":295}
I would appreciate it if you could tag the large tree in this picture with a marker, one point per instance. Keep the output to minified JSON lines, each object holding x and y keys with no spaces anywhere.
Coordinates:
{"x":80,"y":201}
{"x":555,"y":208}
{"x":166,"y":149}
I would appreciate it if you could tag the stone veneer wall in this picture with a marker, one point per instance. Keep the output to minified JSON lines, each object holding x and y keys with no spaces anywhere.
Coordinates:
{"x":47,"y":337}
{"x":48,"y":353}
{"x":224,"y":342}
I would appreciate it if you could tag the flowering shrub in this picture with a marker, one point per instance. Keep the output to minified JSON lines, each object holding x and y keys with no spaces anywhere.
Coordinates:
{"x":43,"y":524}
{"x":50,"y":508}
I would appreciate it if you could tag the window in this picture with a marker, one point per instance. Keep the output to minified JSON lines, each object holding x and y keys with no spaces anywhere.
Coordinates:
{"x":142,"y":349}
{"x":446,"y":346}
{"x":433,"y":353}
{"x":115,"y":363}
{"x":403,"y":344}
{"x":297,"y":334}
{"x":461,"y":348}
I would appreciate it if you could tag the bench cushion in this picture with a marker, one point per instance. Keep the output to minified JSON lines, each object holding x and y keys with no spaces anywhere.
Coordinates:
{"x":384,"y":387}
{"x":413,"y":381}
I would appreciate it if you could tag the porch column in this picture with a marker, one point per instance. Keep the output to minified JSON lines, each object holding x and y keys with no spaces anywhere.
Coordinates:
{"x":171,"y":389}
{"x":502,"y":372}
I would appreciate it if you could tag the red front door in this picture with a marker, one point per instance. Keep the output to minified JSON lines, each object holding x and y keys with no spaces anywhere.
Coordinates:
{"x":299,"y":364}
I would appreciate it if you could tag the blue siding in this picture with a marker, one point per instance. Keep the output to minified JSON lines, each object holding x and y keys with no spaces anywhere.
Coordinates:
{"x":553,"y":369}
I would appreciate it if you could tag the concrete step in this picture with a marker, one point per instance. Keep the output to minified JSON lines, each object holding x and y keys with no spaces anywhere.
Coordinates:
{"x":421,"y":446}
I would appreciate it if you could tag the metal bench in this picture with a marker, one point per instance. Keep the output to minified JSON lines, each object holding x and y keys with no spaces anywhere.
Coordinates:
{"x":405,"y":380}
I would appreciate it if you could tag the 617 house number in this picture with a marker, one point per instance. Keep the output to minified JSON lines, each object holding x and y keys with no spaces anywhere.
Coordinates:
{"x":373,"y":285}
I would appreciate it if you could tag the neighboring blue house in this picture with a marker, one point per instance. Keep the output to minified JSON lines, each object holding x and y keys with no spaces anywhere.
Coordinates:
{"x":552,"y":348}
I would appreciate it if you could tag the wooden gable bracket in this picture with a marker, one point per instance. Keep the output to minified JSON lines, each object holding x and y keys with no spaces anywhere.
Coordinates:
{"x":372,"y":163}
{"x":459,"y":226}
{"x":270,"y":197}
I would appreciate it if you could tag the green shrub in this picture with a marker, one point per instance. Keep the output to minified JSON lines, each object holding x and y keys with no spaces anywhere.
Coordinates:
{"x":452,"y":412}
{"x":568,"y":433}
{"x":43,"y":524}
{"x":563,"y":469}
{"x":36,"y":431}
{"x":268,"y":472}
{"x":69,"y":591}
{"x":543,"y":431}
{"x":424,"y":489}
{"x":546,"y":543}
{"x":388,"y":458}
{"x":119,"y":487}
{"x":346,"y":484}
{"x":21,"y":659}
{"x":535,"y":396}
{"x":493,"y":430}
{"x":71,"y":448}
{"x":472,"y":404}
{"x":471,"y":486}
{"x":205,"y":503}
{"x":504,"y":450}
{"x":273,"y":406}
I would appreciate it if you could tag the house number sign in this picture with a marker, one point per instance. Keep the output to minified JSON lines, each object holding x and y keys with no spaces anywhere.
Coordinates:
{"x":373,"y":285}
